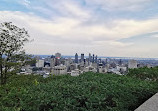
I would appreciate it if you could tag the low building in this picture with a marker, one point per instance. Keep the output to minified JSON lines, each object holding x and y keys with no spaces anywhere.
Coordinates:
{"x":27,"y":69}
{"x":40,"y":63}
{"x":102,"y":69}
{"x":59,"y":70}
{"x":46,"y":69}
{"x":52,"y":62}
{"x":75,"y":72}
{"x":90,"y":69}
{"x":115,"y":71}
{"x":121,"y":69}
{"x":95,"y":65}
{"x":132,"y":64}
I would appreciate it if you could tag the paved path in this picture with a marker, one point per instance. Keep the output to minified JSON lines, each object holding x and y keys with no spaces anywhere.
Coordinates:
{"x":150,"y":105}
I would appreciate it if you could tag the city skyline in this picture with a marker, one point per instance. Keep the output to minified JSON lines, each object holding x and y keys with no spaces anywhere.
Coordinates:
{"x":122,"y":28}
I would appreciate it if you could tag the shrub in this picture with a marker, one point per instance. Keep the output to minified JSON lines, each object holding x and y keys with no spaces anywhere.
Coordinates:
{"x":145,"y":73}
{"x":86,"y":92}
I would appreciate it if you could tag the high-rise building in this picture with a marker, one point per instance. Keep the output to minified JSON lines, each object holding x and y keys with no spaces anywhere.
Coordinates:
{"x":120,"y":62}
{"x":76,"y":58}
{"x":58,"y":55}
{"x":93,"y":58}
{"x":52,"y":56}
{"x":82,"y":57}
{"x":90,"y":57}
{"x":52,"y":62}
{"x":99,"y":60}
{"x":57,"y":61}
{"x":96,"y":59}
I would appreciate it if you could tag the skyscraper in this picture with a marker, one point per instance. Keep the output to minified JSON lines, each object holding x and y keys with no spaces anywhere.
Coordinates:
{"x":120,"y":62}
{"x":57,"y":59}
{"x":96,"y":59}
{"x":82,"y":57}
{"x":57,"y":55}
{"x":90,"y":57}
{"x":76,"y":58}
{"x":93,"y":58}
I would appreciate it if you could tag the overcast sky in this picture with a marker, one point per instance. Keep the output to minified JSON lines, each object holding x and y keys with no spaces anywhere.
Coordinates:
{"x":124,"y":28}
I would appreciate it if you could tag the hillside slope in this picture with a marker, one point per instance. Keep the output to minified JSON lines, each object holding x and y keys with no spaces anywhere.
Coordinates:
{"x":89,"y":91}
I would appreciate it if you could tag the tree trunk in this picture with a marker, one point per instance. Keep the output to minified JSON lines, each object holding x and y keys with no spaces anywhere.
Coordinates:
{"x":5,"y":75}
{"x":5,"y":70}
{"x":1,"y":70}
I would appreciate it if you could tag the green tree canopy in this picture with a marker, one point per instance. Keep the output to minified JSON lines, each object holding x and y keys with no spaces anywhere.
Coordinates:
{"x":12,"y":54}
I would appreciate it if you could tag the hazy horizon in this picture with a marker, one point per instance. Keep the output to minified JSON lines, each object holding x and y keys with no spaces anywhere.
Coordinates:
{"x":112,"y":57}
{"x":111,"y":28}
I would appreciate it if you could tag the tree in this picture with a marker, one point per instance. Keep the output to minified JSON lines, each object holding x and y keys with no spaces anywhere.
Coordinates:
{"x":12,"y":54}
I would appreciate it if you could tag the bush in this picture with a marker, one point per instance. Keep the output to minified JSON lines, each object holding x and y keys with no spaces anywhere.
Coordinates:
{"x":144,"y":73}
{"x":87,"y":92}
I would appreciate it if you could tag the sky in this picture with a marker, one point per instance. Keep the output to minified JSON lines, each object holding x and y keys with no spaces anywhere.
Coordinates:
{"x":118,"y":28}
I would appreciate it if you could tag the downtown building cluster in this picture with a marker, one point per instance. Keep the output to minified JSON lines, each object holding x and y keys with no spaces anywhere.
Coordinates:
{"x":60,"y":65}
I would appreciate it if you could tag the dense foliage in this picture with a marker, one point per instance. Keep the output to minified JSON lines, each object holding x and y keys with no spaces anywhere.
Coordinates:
{"x":145,"y":73}
{"x":91,"y":92}
{"x":12,"y":54}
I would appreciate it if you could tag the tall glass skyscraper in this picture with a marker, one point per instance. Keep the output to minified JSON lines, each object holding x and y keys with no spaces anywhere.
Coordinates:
{"x":96,"y":59}
{"x":82,"y":57}
{"x":76,"y":58}
{"x":90,"y":57}
{"x":93,"y":58}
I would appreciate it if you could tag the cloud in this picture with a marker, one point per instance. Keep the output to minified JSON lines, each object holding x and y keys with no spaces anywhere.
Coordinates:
{"x":25,"y":2}
{"x":119,"y":44}
{"x":124,"y":5}
{"x":71,"y":9}
{"x":154,"y":36}
{"x":66,"y":33}
{"x":61,"y":8}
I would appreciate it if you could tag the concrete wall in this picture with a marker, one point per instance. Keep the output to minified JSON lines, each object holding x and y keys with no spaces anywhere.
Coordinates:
{"x":150,"y":105}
